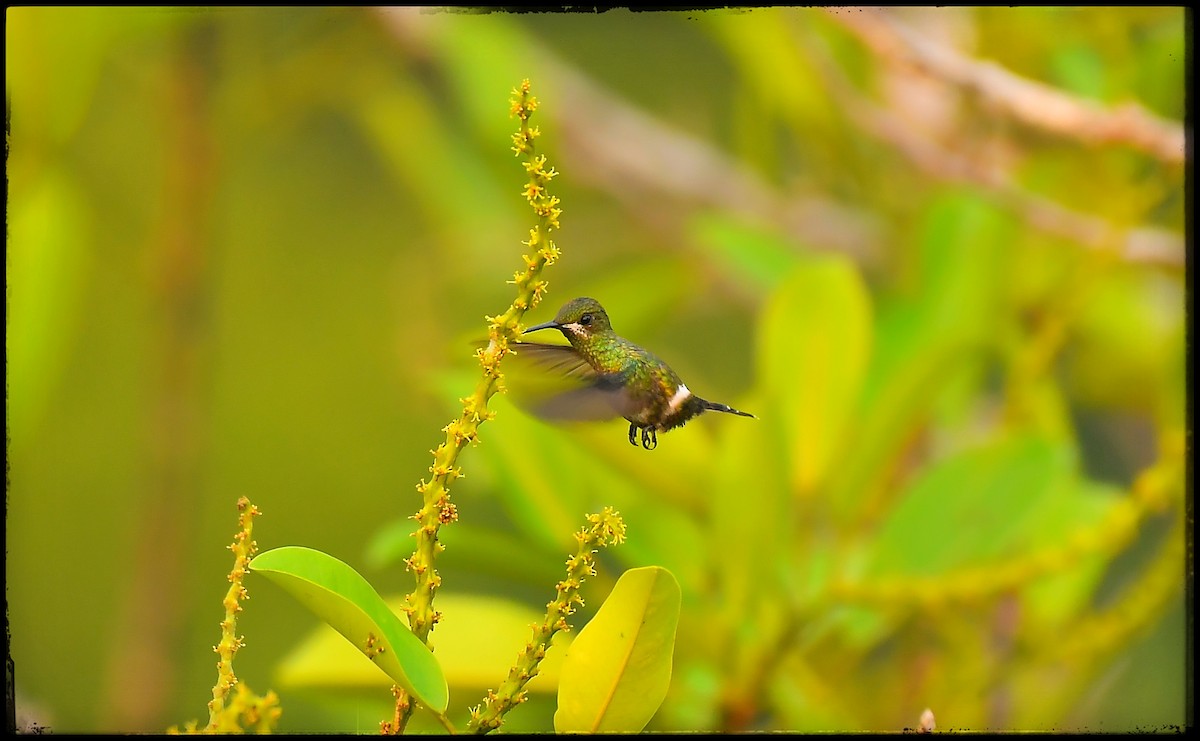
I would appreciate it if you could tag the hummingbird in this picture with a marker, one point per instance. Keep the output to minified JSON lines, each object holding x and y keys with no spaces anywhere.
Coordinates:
{"x":615,"y":377}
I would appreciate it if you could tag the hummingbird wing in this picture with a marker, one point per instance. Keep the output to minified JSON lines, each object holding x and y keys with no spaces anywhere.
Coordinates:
{"x":596,"y":402}
{"x":580,"y":393}
{"x":559,"y":359}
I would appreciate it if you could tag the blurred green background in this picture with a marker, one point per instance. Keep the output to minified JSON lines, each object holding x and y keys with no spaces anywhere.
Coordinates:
{"x":249,"y":251}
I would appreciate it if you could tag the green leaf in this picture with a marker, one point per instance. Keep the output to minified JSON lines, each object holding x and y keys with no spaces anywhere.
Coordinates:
{"x":477,"y":639}
{"x":618,"y":669}
{"x":813,"y":347}
{"x":516,"y":448}
{"x":49,"y":220}
{"x":1055,"y":599}
{"x":342,"y":598}
{"x":749,"y":254}
{"x":923,"y":338}
{"x":469,"y":184}
{"x":983,"y":503}
{"x":747,"y":477}
{"x":530,"y":459}
{"x":961,"y":265}
{"x":535,"y":457}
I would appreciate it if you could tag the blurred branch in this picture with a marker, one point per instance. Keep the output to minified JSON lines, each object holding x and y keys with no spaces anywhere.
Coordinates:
{"x":634,"y":156}
{"x":1153,"y":494}
{"x":622,"y":147}
{"x":1033,"y":103}
{"x":177,"y":284}
{"x":1142,"y":244}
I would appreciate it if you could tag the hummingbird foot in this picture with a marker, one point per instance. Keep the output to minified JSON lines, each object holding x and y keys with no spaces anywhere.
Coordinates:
{"x":649,"y":436}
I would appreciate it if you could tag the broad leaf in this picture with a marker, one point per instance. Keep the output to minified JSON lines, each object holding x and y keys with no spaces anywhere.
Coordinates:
{"x":618,"y":669}
{"x":475,"y":641}
{"x":750,"y":255}
{"x":936,"y":330}
{"x":976,"y":506}
{"x":813,"y":347}
{"x":342,"y":598}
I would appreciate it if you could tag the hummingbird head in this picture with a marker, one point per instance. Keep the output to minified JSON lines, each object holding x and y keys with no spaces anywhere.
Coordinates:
{"x":579,"y":318}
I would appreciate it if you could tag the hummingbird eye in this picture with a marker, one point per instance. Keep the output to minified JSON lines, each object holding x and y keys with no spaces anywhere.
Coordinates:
{"x":585,"y":320}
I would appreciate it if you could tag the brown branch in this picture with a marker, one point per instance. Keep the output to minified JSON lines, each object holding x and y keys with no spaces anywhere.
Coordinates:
{"x":635,"y":156}
{"x":622,"y":147}
{"x":151,"y":611}
{"x":1143,"y":245}
{"x":1149,"y":245}
{"x":1033,"y":103}
{"x":630,"y":152}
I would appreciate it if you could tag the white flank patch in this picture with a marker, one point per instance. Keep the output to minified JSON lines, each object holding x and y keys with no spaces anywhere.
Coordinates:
{"x":681,"y":395}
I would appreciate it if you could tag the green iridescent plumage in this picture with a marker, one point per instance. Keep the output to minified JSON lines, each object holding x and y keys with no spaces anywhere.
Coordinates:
{"x":615,"y":378}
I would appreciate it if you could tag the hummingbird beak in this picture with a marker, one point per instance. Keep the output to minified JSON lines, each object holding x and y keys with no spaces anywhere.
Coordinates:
{"x":543,"y":325}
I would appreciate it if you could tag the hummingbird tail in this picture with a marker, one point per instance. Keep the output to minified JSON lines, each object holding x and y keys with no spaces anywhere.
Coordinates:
{"x":718,"y":407}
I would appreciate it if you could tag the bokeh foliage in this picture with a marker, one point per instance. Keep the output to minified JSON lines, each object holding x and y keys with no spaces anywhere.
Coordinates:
{"x":249,"y":252}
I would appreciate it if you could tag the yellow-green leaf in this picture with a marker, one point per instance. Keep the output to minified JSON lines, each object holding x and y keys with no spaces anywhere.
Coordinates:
{"x":618,"y":669}
{"x":476,"y":641}
{"x":813,"y":348}
{"x":341,"y":597}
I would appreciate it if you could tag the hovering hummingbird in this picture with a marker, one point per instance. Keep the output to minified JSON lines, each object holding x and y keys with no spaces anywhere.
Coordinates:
{"x":616,"y":377}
